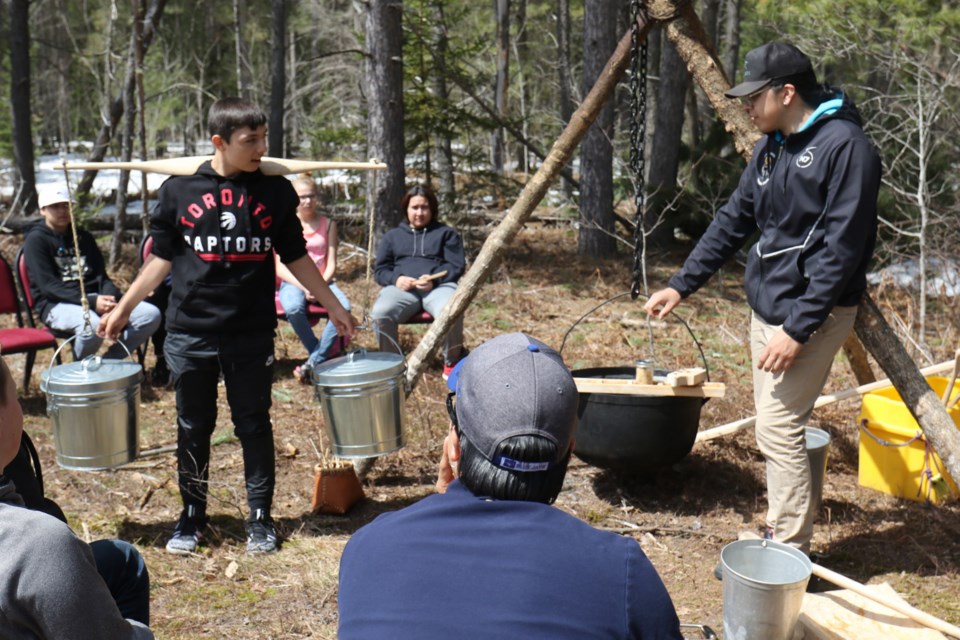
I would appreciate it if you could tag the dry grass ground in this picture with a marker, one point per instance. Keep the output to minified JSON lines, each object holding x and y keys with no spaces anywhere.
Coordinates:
{"x":682,"y":516}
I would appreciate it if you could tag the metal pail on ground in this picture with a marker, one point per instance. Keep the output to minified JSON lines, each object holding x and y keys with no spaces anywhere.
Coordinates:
{"x":94,"y":405}
{"x":763,"y":586}
{"x":818,"y":445}
{"x":362,"y":398}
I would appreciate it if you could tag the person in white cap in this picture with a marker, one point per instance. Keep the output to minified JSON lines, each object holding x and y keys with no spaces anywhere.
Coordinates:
{"x":55,"y":268}
{"x":810,"y":190}
{"x":488,"y":557}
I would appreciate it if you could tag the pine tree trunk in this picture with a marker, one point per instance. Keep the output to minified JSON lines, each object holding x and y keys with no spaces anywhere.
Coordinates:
{"x":25,"y":179}
{"x":563,"y":72}
{"x":523,"y":64}
{"x":502,"y":81}
{"x":278,"y":78}
{"x":731,"y":38}
{"x":667,"y":140}
{"x":596,"y":237}
{"x":438,"y":81}
{"x":384,"y":92}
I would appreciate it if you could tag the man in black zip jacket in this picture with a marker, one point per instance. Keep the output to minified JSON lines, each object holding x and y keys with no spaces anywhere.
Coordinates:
{"x":215,"y":232}
{"x":811,"y":191}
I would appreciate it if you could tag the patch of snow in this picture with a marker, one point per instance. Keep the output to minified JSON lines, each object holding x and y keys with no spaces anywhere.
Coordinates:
{"x":943,"y":276}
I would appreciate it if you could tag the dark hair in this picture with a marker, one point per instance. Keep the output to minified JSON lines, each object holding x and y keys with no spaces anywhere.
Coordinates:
{"x":483,"y":478}
{"x":424,"y":192}
{"x":810,"y":91}
{"x":226,"y":115}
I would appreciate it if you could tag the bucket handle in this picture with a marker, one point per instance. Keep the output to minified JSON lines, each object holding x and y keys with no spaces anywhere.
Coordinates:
{"x":89,"y":360}
{"x":399,"y":351}
{"x":706,"y":367}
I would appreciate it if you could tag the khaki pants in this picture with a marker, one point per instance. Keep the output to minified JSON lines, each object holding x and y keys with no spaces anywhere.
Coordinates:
{"x":784,"y":403}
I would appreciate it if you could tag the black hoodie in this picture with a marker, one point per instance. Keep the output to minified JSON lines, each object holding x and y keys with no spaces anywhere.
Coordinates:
{"x":405,"y":251}
{"x":220,"y":234}
{"x":813,"y":198}
{"x":52,"y":264}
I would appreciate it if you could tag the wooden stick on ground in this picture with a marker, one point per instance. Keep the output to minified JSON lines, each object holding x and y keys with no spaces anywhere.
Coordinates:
{"x":953,"y":378}
{"x":746,"y":423}
{"x":911,"y":612}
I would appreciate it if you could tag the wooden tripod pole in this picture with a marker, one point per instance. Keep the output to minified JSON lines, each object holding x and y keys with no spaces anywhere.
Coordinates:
{"x":534,"y":191}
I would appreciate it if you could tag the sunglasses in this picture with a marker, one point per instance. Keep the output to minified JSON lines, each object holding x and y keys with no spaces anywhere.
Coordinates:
{"x":451,"y":409}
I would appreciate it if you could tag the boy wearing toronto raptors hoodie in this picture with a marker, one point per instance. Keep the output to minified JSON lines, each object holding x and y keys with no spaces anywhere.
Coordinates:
{"x":215,"y":233}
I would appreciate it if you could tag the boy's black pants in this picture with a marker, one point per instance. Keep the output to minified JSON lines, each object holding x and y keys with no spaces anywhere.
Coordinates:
{"x":246,"y":362}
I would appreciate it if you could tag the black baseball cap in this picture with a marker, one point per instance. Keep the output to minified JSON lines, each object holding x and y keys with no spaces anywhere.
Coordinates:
{"x":770,"y":62}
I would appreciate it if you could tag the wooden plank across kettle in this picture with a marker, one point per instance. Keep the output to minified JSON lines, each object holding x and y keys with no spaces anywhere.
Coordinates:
{"x":684,"y":382}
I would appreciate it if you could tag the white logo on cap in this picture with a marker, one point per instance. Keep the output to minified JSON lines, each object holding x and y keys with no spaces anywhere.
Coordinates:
{"x":805,"y":159}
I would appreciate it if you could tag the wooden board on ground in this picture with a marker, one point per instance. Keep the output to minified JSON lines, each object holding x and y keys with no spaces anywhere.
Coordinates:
{"x":620,"y":386}
{"x":845,"y":615}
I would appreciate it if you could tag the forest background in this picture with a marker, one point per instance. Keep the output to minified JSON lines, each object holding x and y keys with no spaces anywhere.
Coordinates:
{"x":468,"y":96}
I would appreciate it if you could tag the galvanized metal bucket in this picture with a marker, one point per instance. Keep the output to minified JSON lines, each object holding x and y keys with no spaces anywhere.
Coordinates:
{"x":818,"y":446}
{"x":362,"y":398}
{"x":94,"y":405}
{"x":763,"y":586}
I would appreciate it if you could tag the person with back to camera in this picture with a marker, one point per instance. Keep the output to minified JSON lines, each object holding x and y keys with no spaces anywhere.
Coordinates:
{"x":418,"y":247}
{"x":50,"y":588}
{"x":215,"y":232}
{"x":320,"y":234}
{"x":488,"y":557}
{"x":54,"y":268}
{"x":811,"y":189}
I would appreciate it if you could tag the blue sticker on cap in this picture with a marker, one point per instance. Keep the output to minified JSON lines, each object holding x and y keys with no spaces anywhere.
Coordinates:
{"x":519,"y":465}
{"x":533,"y":347}
{"x":455,"y":375}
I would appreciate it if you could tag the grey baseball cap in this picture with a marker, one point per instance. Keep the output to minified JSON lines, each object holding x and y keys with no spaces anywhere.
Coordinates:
{"x":770,"y":62}
{"x":515,"y":385}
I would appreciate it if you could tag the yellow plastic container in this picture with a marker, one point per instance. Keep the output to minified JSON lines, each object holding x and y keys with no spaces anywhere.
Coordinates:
{"x":899,"y":462}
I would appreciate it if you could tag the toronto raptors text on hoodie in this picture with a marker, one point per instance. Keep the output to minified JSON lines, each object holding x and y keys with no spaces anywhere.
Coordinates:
{"x":220,"y":234}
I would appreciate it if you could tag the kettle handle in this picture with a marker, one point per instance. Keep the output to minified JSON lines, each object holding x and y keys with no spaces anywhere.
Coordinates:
{"x":703,"y":357}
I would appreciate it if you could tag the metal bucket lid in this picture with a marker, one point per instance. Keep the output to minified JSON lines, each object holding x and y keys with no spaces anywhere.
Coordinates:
{"x":91,"y":375}
{"x":358,"y":367}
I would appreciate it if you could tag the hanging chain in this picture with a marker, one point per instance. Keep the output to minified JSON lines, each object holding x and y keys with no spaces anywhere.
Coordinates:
{"x":638,"y":162}
{"x":638,"y":136}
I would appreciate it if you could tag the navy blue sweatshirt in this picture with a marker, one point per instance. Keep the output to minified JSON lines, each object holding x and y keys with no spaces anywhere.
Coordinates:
{"x":813,"y":198}
{"x":53,"y":267}
{"x":405,"y":251}
{"x":220,"y":234}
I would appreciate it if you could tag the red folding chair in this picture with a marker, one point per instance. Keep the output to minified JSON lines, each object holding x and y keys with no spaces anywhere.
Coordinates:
{"x":21,"y":339}
{"x":315,"y":312}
